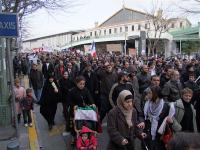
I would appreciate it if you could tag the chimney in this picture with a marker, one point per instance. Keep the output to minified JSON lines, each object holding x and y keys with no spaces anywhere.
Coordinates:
{"x":96,"y":24}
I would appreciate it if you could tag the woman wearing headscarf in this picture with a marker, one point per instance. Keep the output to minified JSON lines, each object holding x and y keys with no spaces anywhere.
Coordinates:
{"x":49,"y":100}
{"x":122,"y":123}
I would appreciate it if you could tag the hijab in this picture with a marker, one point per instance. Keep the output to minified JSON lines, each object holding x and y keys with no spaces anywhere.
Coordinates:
{"x":127,"y":113}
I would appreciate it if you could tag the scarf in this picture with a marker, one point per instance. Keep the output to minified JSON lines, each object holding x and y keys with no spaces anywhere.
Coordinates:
{"x":152,"y":112}
{"x":127,"y":113}
{"x":54,"y":86}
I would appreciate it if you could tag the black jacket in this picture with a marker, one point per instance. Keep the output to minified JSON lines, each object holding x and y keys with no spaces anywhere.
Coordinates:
{"x":79,"y":97}
{"x":65,"y":86}
{"x":91,"y":81}
{"x":107,"y":81}
{"x":46,"y":72}
{"x":144,"y":81}
{"x":36,"y":79}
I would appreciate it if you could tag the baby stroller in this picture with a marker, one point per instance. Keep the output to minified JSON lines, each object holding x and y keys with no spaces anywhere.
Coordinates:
{"x":85,"y":122}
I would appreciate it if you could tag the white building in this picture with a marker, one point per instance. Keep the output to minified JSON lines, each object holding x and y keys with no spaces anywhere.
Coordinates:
{"x":126,"y":28}
{"x":49,"y":43}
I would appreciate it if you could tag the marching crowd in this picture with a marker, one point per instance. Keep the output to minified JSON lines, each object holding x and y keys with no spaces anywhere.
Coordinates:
{"x":151,"y":99}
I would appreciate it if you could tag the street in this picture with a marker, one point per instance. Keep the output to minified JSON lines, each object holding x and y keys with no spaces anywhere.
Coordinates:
{"x":51,"y":140}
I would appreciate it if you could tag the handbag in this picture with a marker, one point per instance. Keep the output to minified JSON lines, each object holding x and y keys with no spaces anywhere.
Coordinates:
{"x":168,"y":135}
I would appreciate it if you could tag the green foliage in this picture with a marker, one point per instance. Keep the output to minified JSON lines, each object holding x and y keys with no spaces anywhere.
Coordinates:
{"x":189,"y":47}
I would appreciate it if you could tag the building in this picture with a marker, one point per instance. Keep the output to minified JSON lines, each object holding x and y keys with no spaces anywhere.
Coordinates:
{"x":127,"y":31}
{"x":50,"y":42}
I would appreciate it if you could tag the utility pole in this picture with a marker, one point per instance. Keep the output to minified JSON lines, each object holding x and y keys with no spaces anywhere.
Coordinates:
{"x":5,"y":109}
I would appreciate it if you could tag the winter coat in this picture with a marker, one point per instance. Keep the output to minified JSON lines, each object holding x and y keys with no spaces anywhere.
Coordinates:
{"x":27,"y":103}
{"x":172,"y":91}
{"x":36,"y":79}
{"x":46,"y":72}
{"x":65,"y":86}
{"x":114,"y":93}
{"x":118,"y":129}
{"x":144,"y":81}
{"x":20,"y":93}
{"x":179,"y":107}
{"x":58,"y":73}
{"x":80,"y":97}
{"x":90,"y":143}
{"x":163,"y":80}
{"x":91,"y":81}
{"x":107,"y":81}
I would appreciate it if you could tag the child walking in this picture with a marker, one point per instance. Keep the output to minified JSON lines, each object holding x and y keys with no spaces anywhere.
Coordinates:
{"x":27,"y":106}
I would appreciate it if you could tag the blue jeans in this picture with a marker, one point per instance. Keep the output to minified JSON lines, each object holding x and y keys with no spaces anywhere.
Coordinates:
{"x":37,"y":93}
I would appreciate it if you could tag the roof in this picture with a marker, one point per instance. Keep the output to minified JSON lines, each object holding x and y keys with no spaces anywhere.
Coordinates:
{"x":186,"y":33}
{"x":175,"y":19}
{"x":124,"y":8}
{"x":53,"y":35}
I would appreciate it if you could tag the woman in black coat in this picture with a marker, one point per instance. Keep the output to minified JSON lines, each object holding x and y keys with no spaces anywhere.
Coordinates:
{"x":49,"y":100}
{"x":65,"y":85}
{"x":80,"y":95}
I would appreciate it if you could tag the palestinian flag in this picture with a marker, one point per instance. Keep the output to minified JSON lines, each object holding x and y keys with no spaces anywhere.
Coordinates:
{"x":85,"y":113}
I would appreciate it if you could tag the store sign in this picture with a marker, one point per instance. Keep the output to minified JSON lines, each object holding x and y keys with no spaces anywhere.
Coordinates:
{"x":8,"y":25}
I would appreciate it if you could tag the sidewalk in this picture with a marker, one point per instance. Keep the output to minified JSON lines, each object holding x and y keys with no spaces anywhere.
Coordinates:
{"x":24,"y":133}
{"x":23,"y":139}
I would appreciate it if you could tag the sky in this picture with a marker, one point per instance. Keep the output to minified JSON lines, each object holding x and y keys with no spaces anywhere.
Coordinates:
{"x":84,"y":15}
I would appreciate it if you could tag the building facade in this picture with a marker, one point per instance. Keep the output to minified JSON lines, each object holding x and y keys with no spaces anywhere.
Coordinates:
{"x":126,"y":32}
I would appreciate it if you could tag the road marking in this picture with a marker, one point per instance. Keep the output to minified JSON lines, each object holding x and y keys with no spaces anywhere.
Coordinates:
{"x":33,"y":137}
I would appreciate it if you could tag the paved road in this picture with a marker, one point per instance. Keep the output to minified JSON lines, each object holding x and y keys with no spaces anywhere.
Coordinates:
{"x":51,"y":140}
{"x":54,"y":140}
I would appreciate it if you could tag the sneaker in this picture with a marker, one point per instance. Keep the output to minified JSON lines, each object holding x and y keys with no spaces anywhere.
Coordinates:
{"x":26,"y":125}
{"x":30,"y":124}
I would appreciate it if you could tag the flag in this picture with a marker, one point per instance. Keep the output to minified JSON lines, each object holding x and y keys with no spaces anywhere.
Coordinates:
{"x":93,"y":49}
{"x":86,"y":113}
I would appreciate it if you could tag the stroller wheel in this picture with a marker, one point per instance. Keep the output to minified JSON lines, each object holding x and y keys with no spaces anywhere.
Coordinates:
{"x":72,"y":142}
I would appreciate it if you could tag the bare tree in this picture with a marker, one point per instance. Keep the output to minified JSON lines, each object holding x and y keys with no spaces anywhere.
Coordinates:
{"x":158,"y":23}
{"x":27,"y":7}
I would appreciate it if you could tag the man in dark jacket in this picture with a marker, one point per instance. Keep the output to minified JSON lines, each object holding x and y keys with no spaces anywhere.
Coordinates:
{"x":108,"y":77}
{"x":47,"y":68}
{"x":121,"y":85}
{"x":59,"y":70}
{"x":144,"y":79}
{"x":91,"y":80}
{"x":172,"y":89}
{"x":165,"y":77}
{"x":36,"y":79}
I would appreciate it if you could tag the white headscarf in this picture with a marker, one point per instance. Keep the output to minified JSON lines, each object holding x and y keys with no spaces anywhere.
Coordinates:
{"x":127,"y":113}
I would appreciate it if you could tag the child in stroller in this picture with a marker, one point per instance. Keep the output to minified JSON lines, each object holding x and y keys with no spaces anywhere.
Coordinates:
{"x":86,"y":140}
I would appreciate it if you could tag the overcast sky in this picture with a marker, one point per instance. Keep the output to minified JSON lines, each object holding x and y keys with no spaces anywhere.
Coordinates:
{"x":85,"y":15}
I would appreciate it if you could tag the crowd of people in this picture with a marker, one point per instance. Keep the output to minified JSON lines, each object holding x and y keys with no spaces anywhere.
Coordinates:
{"x":145,"y":98}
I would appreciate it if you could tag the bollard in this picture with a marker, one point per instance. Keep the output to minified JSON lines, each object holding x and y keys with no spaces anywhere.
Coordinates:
{"x":14,"y":145}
